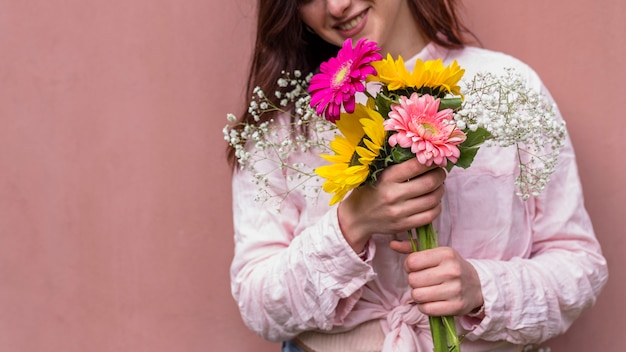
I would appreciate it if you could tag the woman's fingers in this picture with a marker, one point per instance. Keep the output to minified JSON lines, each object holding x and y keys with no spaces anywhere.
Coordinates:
{"x":406,"y":170}
{"x":403,"y":247}
{"x":441,"y":281}
{"x":425,"y":189}
{"x":394,"y":204}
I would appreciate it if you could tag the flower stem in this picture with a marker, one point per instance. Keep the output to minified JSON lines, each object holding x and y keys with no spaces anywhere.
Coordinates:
{"x":443,"y":329}
{"x":413,"y":244}
{"x":454,"y":343}
{"x":439,"y":334}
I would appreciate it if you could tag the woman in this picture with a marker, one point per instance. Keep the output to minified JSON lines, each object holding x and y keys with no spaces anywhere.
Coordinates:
{"x":341,"y":278}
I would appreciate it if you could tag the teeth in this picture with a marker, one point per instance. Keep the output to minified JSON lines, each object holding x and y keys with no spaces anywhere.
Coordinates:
{"x":349,"y":25}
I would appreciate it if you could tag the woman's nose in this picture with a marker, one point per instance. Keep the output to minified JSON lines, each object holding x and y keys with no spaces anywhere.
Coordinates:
{"x":337,"y":8}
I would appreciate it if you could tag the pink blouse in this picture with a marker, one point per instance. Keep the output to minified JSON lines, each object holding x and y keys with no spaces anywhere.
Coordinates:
{"x":539,"y":262}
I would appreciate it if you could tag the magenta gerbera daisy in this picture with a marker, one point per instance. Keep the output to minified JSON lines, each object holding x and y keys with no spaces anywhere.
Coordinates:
{"x":432,"y":135}
{"x":341,"y":77}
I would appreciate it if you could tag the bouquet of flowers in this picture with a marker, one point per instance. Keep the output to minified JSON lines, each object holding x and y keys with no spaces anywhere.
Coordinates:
{"x":422,"y":114}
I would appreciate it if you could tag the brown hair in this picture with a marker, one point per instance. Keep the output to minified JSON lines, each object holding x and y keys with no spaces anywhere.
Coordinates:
{"x":284,"y":44}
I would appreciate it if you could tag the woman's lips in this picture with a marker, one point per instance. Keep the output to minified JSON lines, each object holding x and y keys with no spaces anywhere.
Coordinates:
{"x":351,"y":27}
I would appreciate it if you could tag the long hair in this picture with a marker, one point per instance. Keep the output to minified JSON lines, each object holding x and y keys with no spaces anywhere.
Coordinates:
{"x":284,"y":44}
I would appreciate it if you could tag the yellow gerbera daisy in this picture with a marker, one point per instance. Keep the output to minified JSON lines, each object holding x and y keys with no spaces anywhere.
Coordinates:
{"x":359,"y":144}
{"x":430,"y":73}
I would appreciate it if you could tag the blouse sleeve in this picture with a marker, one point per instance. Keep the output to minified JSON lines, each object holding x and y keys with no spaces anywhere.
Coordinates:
{"x":286,"y":282}
{"x":530,"y":300}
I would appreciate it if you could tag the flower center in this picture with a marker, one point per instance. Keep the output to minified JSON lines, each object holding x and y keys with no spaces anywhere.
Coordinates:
{"x":340,"y":76}
{"x":428,"y":128}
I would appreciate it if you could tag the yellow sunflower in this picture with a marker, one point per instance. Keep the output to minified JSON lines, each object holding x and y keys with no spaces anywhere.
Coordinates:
{"x":430,"y":73}
{"x":392,"y":73}
{"x":361,"y":139}
{"x":433,"y":73}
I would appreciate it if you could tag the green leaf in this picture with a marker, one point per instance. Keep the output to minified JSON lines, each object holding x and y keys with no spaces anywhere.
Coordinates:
{"x":450,"y":103}
{"x":469,"y":148}
{"x":399,"y":154}
{"x":465,"y":159}
{"x":383,"y":105}
{"x":476,"y":138}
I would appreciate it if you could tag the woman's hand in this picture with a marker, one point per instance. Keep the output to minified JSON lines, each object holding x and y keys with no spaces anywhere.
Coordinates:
{"x":406,"y":196}
{"x":442,"y":282}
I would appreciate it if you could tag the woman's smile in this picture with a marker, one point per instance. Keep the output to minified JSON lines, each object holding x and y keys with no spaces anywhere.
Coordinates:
{"x":350,"y":24}
{"x":389,"y":23}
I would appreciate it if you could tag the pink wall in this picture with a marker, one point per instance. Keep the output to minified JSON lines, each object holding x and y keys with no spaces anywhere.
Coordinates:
{"x":115,"y":230}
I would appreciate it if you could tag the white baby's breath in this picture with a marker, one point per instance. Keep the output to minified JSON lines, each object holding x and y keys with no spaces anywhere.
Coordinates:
{"x":515,"y":115}
{"x":273,"y":141}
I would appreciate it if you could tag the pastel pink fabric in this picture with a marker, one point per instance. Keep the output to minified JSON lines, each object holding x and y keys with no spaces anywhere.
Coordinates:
{"x":539,"y":262}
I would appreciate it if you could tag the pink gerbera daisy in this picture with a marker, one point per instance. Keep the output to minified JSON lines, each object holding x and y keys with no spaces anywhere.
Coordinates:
{"x":431,"y":134}
{"x":341,"y":77}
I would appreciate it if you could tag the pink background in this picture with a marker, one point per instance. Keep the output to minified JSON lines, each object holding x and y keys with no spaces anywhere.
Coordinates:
{"x":115,"y":229}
